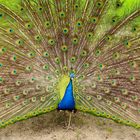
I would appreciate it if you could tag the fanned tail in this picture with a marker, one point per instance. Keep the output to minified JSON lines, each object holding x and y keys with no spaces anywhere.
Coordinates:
{"x":43,"y":40}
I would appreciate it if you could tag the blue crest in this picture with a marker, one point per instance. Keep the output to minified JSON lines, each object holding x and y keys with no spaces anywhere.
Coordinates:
{"x":72,"y":75}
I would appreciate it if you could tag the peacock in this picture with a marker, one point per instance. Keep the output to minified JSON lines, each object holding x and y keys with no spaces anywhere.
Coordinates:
{"x":70,"y":55}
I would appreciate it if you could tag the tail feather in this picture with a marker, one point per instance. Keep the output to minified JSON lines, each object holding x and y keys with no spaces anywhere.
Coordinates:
{"x":98,"y":41}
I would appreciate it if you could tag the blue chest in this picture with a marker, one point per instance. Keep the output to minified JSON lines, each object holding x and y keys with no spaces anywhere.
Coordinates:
{"x":67,"y":103}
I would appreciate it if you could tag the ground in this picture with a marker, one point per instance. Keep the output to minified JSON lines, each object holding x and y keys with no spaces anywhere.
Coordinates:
{"x":53,"y":126}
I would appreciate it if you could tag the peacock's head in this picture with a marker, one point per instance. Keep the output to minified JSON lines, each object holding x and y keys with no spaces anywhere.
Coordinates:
{"x":72,"y":75}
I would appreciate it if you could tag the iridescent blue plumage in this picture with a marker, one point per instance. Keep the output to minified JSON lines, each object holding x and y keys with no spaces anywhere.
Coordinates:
{"x":67,"y":103}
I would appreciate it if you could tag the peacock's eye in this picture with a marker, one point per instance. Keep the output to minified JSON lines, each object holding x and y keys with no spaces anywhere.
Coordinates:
{"x":1,"y":15}
{"x":79,"y":23}
{"x":1,"y":65}
{"x":16,"y":98}
{"x":1,"y":80}
{"x":65,"y":30}
{"x":118,"y":3}
{"x":73,"y":59}
{"x":62,"y":14}
{"x":46,"y":54}
{"x":46,"y":67}
{"x":3,"y":50}
{"x":99,"y":3}
{"x":108,"y":38}
{"x":89,"y":35}
{"x":40,"y":8}
{"x":93,"y":20}
{"x":83,"y":53}
{"x":42,"y":99}
{"x":75,"y":41}
{"x":21,"y":9}
{"x":97,"y":52}
{"x":57,"y":60}
{"x":48,"y":24}
{"x":76,"y":6}
{"x":86,"y":65}
{"x":134,"y":29}
{"x":10,"y":30}
{"x":18,"y":83}
{"x":31,"y":54}
{"x":29,"y":25}
{"x":64,"y":48}
{"x":38,"y":38}
{"x":57,"y":71}
{"x":20,"y":42}
{"x":51,"y":42}
{"x":28,"y":68}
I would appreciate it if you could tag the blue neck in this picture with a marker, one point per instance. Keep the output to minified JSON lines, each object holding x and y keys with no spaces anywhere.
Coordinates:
{"x":67,"y":103}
